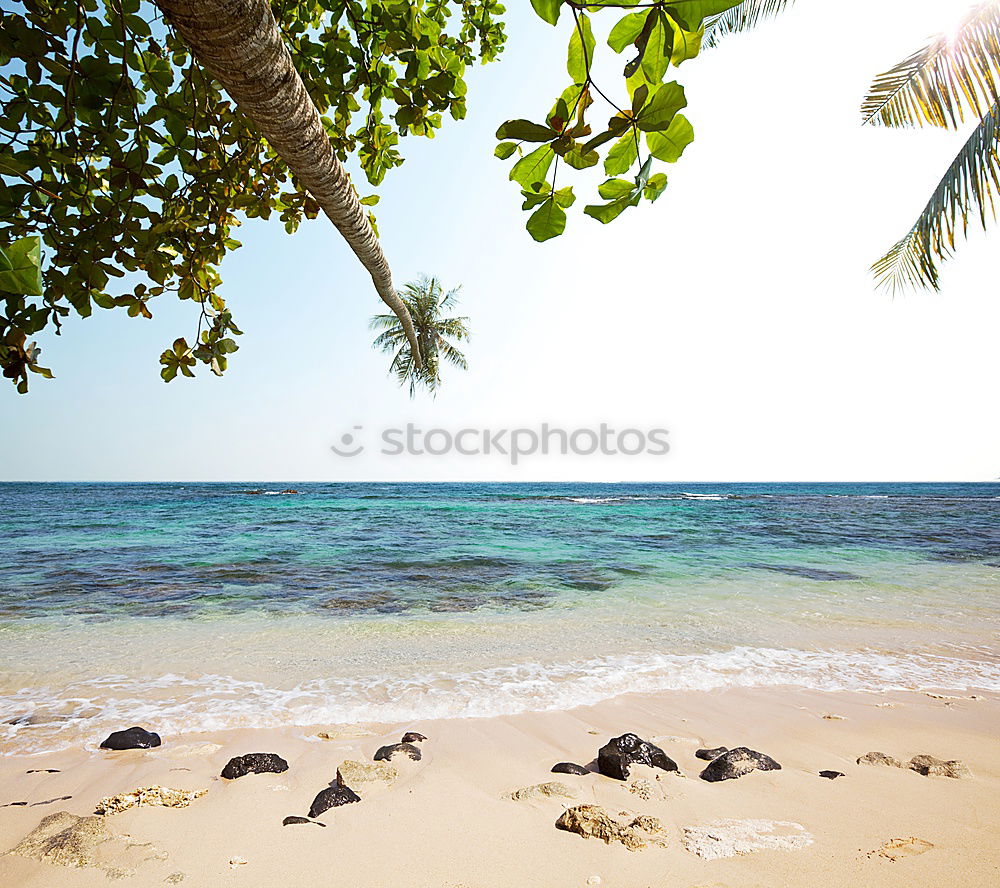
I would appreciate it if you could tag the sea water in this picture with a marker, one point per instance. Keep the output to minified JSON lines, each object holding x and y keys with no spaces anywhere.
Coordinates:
{"x":197,"y":606}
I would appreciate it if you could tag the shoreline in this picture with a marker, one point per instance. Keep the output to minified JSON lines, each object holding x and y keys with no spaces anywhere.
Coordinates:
{"x":445,"y":816}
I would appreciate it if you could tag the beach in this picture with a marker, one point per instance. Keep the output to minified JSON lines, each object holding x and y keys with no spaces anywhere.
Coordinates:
{"x":445,"y":820}
{"x":515,"y":627}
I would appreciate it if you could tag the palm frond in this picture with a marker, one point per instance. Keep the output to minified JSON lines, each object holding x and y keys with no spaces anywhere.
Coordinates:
{"x":390,"y":339}
{"x":453,"y":355}
{"x":967,"y":189}
{"x":742,"y":17}
{"x":384,"y":322}
{"x":939,"y":83}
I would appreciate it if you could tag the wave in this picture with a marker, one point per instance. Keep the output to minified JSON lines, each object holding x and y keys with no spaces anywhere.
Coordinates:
{"x":44,"y":718}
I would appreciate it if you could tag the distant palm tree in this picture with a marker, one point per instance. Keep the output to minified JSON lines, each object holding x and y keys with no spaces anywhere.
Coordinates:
{"x":937,"y":85}
{"x":426,"y":301}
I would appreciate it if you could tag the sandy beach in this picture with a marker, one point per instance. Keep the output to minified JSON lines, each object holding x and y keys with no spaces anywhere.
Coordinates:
{"x":446,"y":820}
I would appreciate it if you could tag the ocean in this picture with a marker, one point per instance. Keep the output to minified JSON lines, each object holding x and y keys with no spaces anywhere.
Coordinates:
{"x":196,"y":606}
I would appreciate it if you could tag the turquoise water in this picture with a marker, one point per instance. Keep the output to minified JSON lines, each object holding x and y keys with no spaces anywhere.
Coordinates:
{"x":211,"y":605}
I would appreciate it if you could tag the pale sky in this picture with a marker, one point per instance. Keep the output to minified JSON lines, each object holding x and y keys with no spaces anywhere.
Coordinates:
{"x":737,"y":312}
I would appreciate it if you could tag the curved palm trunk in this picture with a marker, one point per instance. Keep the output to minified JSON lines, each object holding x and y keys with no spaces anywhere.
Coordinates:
{"x":240,"y":44}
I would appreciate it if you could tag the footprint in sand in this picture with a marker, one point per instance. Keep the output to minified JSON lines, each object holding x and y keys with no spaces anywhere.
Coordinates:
{"x":895,"y":849}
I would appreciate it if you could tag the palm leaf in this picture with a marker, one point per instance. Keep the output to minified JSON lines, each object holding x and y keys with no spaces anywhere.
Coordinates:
{"x":937,"y":84}
{"x":743,"y":17}
{"x":384,"y":322}
{"x":967,"y":189}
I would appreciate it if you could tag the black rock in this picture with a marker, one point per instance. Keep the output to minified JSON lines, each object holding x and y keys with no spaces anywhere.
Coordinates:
{"x":254,"y":763}
{"x":709,"y":754}
{"x":288,"y":821}
{"x":832,"y":775}
{"x":133,"y":738}
{"x":332,"y":797}
{"x":386,"y":753}
{"x":412,"y":737}
{"x":737,"y":762}
{"x":43,"y":771}
{"x":569,"y":768}
{"x":617,"y":754}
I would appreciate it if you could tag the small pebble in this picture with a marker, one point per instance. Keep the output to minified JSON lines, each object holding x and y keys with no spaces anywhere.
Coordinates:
{"x":293,"y":819}
{"x":832,"y":775}
{"x":237,"y":861}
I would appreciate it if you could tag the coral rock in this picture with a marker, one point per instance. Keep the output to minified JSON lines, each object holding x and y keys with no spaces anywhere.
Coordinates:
{"x":366,"y":772}
{"x":879,"y":758}
{"x":148,"y":795}
{"x":593,"y":822}
{"x":543,"y":790}
{"x":64,"y":839}
{"x":935,"y":767}
{"x":727,"y":838}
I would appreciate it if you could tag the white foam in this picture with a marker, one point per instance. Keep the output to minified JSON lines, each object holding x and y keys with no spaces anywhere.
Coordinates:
{"x":175,"y":704}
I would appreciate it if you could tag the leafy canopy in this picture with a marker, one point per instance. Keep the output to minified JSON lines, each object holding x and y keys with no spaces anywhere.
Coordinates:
{"x":643,"y":126}
{"x":129,"y":169}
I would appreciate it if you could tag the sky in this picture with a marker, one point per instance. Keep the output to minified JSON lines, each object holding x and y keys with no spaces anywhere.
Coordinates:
{"x":736,"y":314}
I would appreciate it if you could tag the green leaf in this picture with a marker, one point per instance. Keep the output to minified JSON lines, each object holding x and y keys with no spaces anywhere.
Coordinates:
{"x":626,"y":31}
{"x":581,"y":50}
{"x":547,"y":9}
{"x":533,"y":167}
{"x":622,"y":155}
{"x":615,"y":188}
{"x":548,"y":221}
{"x":605,"y":213}
{"x":686,"y":44}
{"x":525,"y":131}
{"x":580,"y":159}
{"x":564,"y":197}
{"x":25,"y":274}
{"x":505,"y":149}
{"x":5,"y":263}
{"x":661,"y":108}
{"x":694,"y":11}
{"x":669,"y":144}
{"x":656,"y":56}
{"x":655,"y":186}
{"x":369,"y":201}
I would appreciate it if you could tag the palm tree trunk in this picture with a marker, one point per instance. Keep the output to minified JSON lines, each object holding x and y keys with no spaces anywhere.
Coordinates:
{"x":240,"y":44}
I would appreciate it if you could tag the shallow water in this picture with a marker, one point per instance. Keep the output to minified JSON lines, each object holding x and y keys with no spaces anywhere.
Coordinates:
{"x":203,"y":606}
